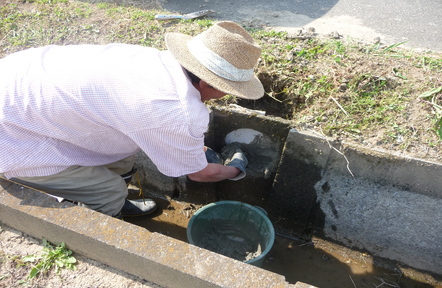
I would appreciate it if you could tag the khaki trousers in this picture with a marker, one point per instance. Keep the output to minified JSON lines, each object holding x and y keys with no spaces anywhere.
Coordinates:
{"x":100,"y":188}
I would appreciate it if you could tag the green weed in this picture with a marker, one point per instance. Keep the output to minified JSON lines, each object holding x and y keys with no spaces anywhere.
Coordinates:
{"x":141,"y":15}
{"x":429,"y":63}
{"x":392,"y":47}
{"x":376,"y":49}
{"x":205,"y":23}
{"x":433,"y":97}
{"x":312,"y":52}
{"x":260,"y":34}
{"x":58,"y":257}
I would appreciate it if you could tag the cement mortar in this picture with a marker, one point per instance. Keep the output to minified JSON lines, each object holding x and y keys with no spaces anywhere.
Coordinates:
{"x":232,"y":241}
{"x":259,"y":148}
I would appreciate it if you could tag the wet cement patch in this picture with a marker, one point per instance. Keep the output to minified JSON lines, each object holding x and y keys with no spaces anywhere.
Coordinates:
{"x":234,"y":241}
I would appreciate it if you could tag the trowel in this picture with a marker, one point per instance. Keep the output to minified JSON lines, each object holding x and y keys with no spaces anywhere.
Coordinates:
{"x":189,"y":16}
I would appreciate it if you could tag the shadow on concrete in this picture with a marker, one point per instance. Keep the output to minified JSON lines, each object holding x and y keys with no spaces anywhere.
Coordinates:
{"x":28,"y":196}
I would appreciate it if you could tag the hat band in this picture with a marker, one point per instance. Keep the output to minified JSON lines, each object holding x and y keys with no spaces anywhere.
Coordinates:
{"x":216,"y":63}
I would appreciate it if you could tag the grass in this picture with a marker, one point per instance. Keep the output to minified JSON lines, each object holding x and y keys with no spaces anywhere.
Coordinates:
{"x":368,"y":93}
{"x":52,"y":257}
{"x":434,"y":97}
{"x":355,"y":91}
{"x":31,"y":270}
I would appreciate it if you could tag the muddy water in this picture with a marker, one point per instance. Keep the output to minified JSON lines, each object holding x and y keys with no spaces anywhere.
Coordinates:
{"x":316,"y":262}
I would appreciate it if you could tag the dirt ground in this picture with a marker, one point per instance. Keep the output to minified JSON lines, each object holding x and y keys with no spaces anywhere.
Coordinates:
{"x":89,"y":273}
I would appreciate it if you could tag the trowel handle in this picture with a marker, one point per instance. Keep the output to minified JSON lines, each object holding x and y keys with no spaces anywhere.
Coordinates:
{"x":168,"y":17}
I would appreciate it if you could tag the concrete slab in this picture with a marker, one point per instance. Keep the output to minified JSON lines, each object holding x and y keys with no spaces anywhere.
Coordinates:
{"x":387,"y":221}
{"x":293,"y":196}
{"x":369,"y":200}
{"x":130,"y":248}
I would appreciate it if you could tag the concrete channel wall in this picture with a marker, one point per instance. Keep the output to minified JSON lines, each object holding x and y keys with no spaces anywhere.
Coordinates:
{"x":369,"y":200}
{"x":373,"y":201}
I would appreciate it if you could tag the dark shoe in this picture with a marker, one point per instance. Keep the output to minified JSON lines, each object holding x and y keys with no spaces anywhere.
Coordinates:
{"x":128,"y":176}
{"x":138,"y":207}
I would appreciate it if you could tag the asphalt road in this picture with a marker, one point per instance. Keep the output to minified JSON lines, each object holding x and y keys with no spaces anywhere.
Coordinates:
{"x":417,"y":21}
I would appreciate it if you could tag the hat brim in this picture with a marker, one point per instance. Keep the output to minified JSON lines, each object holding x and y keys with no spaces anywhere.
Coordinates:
{"x":177,"y":44}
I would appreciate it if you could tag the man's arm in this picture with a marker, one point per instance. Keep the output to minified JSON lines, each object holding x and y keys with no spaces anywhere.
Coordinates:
{"x":214,"y":173}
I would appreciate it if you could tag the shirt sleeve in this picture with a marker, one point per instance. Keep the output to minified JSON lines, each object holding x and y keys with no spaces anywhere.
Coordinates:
{"x":174,"y":150}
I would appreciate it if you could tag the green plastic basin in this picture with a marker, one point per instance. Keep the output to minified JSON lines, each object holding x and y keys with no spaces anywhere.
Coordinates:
{"x":234,"y":229}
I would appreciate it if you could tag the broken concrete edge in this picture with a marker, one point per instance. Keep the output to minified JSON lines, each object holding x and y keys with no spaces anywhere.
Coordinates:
{"x":151,"y":256}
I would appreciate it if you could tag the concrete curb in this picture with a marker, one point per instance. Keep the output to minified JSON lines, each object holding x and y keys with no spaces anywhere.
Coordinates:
{"x":151,"y":256}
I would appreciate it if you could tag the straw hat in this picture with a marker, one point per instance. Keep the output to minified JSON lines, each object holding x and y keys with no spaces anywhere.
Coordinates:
{"x":223,"y":56}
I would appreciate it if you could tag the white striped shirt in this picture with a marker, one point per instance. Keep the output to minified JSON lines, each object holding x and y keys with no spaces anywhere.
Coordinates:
{"x":91,"y":105}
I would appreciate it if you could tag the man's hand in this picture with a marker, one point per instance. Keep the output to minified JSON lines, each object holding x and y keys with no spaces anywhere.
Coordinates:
{"x":234,"y":157}
{"x":234,"y":168}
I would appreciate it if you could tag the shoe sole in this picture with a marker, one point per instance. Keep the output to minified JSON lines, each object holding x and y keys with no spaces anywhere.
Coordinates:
{"x":137,"y":215}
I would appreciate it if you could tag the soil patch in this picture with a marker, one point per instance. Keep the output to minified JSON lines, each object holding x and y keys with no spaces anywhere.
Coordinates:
{"x":89,"y":273}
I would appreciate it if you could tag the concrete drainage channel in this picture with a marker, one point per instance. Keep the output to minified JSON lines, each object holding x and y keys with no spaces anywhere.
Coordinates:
{"x":367,"y":200}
